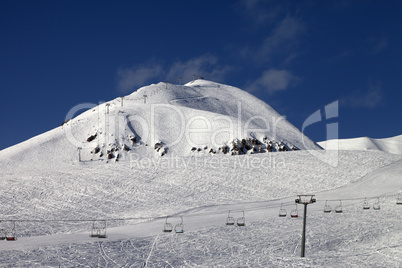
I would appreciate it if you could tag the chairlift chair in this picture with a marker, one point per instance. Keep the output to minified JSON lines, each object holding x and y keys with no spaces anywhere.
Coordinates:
{"x":282,"y":212}
{"x":2,"y":234}
{"x":98,"y":229}
{"x":10,"y":235}
{"x":327,"y":208}
{"x":241,"y":221}
{"x":179,"y":227}
{"x":94,"y":231}
{"x":230,"y":220}
{"x":338,"y":209}
{"x":168,"y":227}
{"x":376,"y":205}
{"x":366,"y":204}
{"x":102,"y":229}
{"x":399,"y":199}
{"x":294,"y":213}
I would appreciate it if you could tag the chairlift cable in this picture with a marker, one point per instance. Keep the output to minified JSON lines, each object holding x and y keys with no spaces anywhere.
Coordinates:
{"x":256,"y":208}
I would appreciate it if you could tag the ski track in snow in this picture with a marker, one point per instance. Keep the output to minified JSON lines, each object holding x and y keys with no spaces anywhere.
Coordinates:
{"x":203,"y":195}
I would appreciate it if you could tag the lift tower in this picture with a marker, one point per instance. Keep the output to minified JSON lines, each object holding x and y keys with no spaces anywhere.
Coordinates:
{"x":305,"y":200}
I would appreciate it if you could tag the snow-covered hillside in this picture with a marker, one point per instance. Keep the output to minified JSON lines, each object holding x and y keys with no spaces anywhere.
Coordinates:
{"x":391,"y":145}
{"x":193,"y":154}
{"x":201,"y":117}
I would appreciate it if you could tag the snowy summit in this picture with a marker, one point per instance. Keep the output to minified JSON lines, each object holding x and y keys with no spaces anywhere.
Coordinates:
{"x":200,"y":117}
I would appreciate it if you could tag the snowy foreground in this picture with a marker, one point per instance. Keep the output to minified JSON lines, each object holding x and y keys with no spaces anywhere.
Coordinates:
{"x":53,"y":211}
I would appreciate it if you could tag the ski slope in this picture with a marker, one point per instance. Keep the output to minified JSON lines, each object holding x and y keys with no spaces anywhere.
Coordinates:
{"x":52,"y":193}
{"x":204,"y":201}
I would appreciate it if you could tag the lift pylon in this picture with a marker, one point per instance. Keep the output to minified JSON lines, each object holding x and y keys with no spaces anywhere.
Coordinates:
{"x":305,"y":200}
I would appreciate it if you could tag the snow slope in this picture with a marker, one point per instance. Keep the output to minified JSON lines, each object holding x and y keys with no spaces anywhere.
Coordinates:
{"x":201,"y":114}
{"x":391,"y":145}
{"x":135,"y":199}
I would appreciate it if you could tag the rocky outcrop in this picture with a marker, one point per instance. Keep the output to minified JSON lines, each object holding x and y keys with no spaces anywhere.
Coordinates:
{"x":250,"y":146}
{"x":160,"y":148}
{"x":92,"y":137}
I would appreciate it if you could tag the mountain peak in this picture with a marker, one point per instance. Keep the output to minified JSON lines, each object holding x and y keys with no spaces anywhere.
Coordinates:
{"x":201,"y":117}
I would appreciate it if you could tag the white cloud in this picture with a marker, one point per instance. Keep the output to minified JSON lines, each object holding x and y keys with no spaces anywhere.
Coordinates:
{"x":377,"y":44}
{"x":139,"y":75}
{"x":205,"y":65}
{"x":273,"y":80}
{"x":261,"y":11}
{"x":371,"y":98}
{"x":283,"y":39}
{"x":287,"y":31}
{"x":130,"y":78}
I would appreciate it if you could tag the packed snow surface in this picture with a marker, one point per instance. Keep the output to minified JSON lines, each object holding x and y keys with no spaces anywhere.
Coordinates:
{"x":52,"y":194}
{"x":53,"y":211}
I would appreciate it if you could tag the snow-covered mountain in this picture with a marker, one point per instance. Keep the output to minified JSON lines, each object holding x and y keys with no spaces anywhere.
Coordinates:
{"x":201,"y":117}
{"x":391,"y":145}
{"x":220,"y":161}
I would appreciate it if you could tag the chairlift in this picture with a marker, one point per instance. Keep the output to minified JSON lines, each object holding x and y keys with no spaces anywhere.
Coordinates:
{"x":293,"y":213}
{"x":327,"y":208}
{"x":10,"y":235}
{"x":338,"y":209}
{"x":2,"y":234}
{"x":179,"y":227}
{"x":399,"y":200}
{"x":282,"y":212}
{"x":230,"y":220}
{"x":366,"y":204}
{"x":376,"y":205}
{"x":241,"y":221}
{"x":168,"y":227}
{"x":98,"y":229}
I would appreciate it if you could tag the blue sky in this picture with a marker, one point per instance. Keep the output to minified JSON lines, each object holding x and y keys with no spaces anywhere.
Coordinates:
{"x":298,"y":56}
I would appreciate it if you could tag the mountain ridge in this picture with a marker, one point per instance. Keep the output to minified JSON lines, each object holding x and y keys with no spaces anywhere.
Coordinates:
{"x":392,"y":145}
